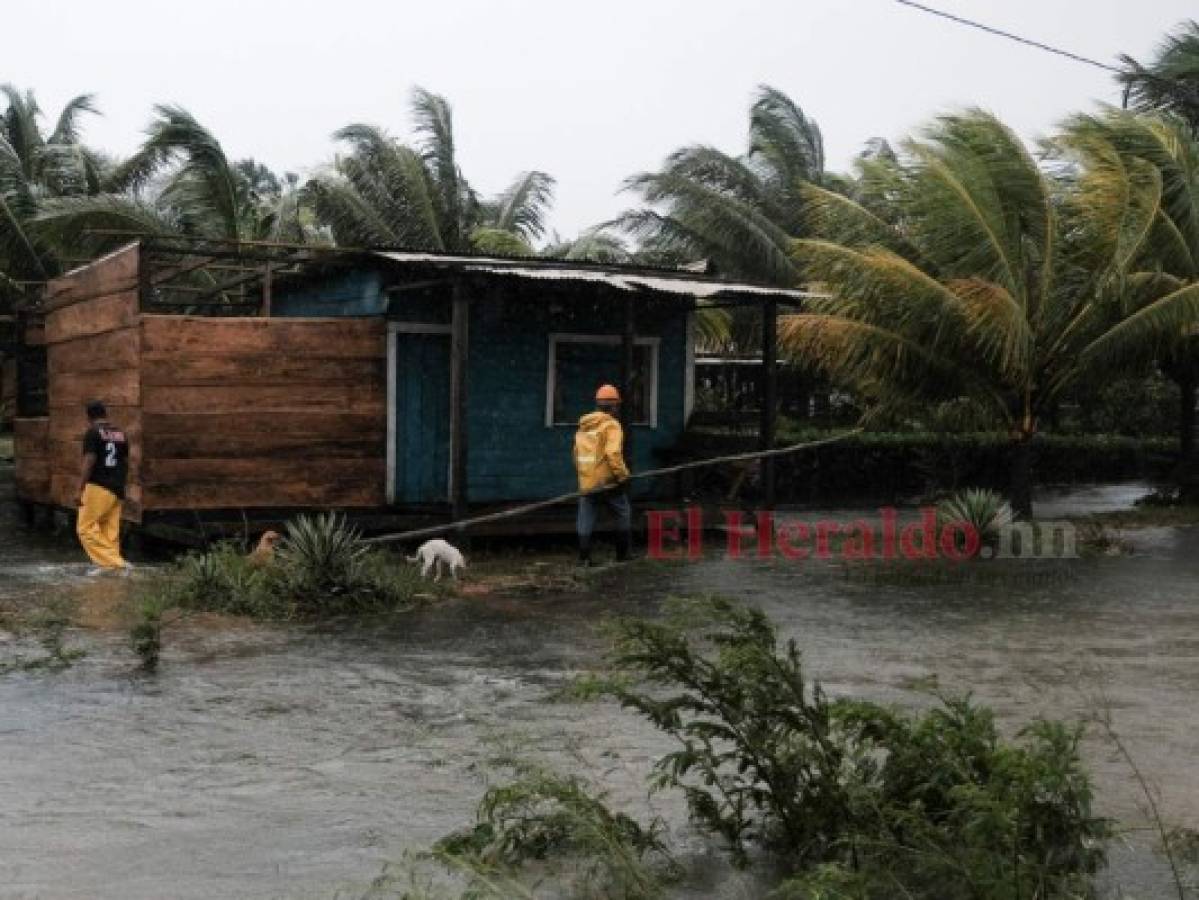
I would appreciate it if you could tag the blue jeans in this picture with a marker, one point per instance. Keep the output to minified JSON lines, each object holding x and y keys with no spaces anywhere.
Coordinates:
{"x":617,"y":501}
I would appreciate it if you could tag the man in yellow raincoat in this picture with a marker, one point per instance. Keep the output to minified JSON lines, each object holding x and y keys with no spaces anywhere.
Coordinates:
{"x":603,"y":474}
{"x":101,"y":492}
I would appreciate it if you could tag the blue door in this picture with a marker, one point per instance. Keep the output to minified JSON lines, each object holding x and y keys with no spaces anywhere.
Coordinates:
{"x":422,"y":418}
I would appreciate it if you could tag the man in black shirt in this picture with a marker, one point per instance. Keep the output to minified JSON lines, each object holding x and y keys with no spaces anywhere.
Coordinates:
{"x":102,"y":490}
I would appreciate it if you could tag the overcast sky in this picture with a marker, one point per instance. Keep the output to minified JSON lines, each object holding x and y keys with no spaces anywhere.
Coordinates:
{"x":589,"y":92}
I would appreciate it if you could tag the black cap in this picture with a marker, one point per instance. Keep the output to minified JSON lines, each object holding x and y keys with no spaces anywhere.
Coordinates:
{"x":96,"y":410}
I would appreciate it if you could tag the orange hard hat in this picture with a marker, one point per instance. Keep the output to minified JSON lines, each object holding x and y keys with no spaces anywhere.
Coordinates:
{"x":608,"y":394}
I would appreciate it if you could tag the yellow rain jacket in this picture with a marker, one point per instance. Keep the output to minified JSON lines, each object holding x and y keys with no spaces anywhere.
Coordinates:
{"x":599,"y":452}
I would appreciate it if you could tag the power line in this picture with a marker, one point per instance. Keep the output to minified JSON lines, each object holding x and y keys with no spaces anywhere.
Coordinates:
{"x":1180,"y":88}
{"x":970,"y":23}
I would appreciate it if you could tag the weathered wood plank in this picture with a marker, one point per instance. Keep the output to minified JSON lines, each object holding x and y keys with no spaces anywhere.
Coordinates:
{"x":260,"y":369}
{"x":109,"y":274}
{"x":97,"y":316}
{"x":67,"y":455}
{"x":297,"y":337}
{"x":160,"y":472}
{"x":96,"y":353}
{"x":367,"y":398}
{"x":283,"y":447}
{"x":63,"y":487}
{"x":69,"y":424}
{"x":117,"y":387}
{"x":255,"y":494}
{"x":327,"y":425}
{"x":32,"y":480}
{"x":30,"y":434}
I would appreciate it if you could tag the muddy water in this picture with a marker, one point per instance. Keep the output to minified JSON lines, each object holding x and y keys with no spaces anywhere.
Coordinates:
{"x":268,"y":762}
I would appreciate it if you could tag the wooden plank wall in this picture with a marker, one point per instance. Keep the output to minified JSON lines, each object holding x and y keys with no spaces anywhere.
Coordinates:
{"x":93,"y":345}
{"x":32,"y":452}
{"x":263,"y":413}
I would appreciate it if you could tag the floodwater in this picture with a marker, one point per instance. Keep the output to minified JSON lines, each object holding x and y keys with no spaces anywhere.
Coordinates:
{"x":292,"y":762}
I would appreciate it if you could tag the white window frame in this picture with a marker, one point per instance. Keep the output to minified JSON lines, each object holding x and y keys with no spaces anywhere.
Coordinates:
{"x":557,"y":338}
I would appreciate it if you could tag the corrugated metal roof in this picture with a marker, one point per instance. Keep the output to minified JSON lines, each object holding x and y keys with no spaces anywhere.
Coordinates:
{"x":684,"y":284}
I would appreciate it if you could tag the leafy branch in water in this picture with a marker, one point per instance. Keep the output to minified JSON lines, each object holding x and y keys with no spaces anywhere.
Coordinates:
{"x":858,"y":800}
{"x":544,"y":827}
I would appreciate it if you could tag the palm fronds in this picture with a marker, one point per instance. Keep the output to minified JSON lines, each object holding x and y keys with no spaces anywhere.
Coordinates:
{"x":1171,"y":80}
{"x":739,"y":212}
{"x":384,"y":192}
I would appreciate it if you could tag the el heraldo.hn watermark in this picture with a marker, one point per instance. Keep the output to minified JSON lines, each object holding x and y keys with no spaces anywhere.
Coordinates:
{"x":674,"y":534}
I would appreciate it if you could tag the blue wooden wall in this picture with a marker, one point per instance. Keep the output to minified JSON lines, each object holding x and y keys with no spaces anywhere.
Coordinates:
{"x":356,"y":293}
{"x":512,"y":455}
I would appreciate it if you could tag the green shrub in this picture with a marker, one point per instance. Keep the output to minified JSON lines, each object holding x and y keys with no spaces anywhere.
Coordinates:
{"x":881,"y":465}
{"x":570,"y":832}
{"x":145,"y":636}
{"x":543,"y":816}
{"x":854,"y":797}
{"x":985,"y":511}
{"x":321,"y":568}
{"x":539,"y":835}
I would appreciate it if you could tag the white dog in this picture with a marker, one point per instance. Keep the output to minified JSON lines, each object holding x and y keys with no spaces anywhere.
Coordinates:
{"x":436,"y":553}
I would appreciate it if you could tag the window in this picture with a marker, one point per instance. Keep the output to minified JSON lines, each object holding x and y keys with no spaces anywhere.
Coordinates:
{"x":580,"y":363}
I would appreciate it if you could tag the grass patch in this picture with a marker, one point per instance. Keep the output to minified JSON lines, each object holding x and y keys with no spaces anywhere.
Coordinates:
{"x":47,"y":627}
{"x":322,"y":569}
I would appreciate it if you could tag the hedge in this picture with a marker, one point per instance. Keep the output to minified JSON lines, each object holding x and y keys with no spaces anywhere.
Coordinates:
{"x":884,"y":466}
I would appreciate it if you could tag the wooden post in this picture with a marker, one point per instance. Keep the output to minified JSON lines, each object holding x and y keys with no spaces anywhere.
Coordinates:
{"x":627,"y":364}
{"x":769,"y":395}
{"x":459,"y":355}
{"x":266,"y":290}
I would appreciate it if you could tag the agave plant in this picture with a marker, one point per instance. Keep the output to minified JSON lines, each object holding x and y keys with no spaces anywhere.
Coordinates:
{"x":321,"y":555}
{"x":983,"y":510}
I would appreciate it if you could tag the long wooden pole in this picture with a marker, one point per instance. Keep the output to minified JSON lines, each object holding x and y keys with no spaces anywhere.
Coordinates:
{"x":564,"y":498}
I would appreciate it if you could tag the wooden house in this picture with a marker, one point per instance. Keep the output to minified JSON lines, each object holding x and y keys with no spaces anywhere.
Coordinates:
{"x":261,"y":380}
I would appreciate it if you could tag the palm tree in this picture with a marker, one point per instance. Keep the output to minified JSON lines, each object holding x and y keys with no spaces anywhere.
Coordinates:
{"x":385,"y":193}
{"x":598,"y":244}
{"x":963,"y":270}
{"x":739,"y":212}
{"x":1170,"y":82}
{"x":179,"y":182}
{"x":1141,"y":173}
{"x":35,"y":166}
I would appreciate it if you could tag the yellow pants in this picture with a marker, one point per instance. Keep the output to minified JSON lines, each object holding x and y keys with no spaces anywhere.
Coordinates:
{"x":99,"y":526}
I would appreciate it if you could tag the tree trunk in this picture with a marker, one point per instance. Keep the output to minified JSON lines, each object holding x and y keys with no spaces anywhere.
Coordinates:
{"x":1021,"y":473}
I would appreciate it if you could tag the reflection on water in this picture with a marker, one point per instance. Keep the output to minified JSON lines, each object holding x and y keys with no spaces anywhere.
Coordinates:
{"x":265,"y":762}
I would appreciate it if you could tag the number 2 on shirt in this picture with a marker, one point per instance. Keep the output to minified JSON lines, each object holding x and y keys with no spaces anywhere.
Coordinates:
{"x":110,"y":455}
